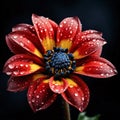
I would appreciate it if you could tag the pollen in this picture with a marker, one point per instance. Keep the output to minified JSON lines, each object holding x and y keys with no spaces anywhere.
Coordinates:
{"x":59,"y":62}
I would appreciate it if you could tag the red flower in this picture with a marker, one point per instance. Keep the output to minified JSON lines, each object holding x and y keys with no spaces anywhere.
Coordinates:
{"x":49,"y":59}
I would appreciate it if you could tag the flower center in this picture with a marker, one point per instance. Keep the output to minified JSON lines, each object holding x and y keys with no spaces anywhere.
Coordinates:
{"x":59,"y":62}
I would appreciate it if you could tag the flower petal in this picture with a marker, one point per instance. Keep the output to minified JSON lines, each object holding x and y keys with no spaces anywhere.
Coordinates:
{"x":58,"y":86}
{"x":16,"y":84}
{"x":31,"y":33}
{"x":67,"y":30}
{"x":77,"y":94}
{"x":89,"y":45}
{"x":40,"y":95}
{"x":54,"y":26}
{"x":20,"y":42}
{"x":24,"y":57}
{"x":44,"y":31}
{"x":20,"y":65}
{"x":97,"y":52}
{"x":97,"y":67}
{"x":81,"y":37}
{"x":24,"y":27}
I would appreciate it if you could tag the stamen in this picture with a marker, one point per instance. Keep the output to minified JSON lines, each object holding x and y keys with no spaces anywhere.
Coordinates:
{"x":59,"y":62}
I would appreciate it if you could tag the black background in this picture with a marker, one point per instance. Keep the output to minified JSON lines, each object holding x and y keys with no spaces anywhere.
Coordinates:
{"x":101,"y":15}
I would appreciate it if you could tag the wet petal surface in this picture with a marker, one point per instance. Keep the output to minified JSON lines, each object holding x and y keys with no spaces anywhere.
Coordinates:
{"x":96,"y":67}
{"x":44,"y":31}
{"x":66,"y":31}
{"x":77,"y":94}
{"x":58,"y":86}
{"x":40,"y":95}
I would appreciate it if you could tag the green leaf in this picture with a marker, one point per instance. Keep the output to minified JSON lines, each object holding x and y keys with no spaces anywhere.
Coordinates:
{"x":82,"y":116}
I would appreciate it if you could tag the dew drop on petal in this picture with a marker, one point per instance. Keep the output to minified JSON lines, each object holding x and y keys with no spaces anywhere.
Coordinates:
{"x":76,"y":94}
{"x":42,"y":103}
{"x":11,"y":66}
{"x":37,"y":96}
{"x":15,"y":73}
{"x":33,"y":100}
{"x":15,"y":36}
{"x":8,"y":73}
{"x":22,"y":73}
{"x":102,"y":74}
{"x":21,"y":65}
{"x":21,"y":44}
{"x":82,"y":98}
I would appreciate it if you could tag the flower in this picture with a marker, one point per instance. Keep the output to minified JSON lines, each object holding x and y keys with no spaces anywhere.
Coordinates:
{"x":49,"y":59}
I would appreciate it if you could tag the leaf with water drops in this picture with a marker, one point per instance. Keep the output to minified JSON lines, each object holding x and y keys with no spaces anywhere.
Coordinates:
{"x":97,"y":67}
{"x":77,"y":94}
{"x":83,"y":116}
{"x":40,"y":95}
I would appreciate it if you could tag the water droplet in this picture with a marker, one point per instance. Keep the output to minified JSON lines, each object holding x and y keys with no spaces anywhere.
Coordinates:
{"x":8,"y":73}
{"x":11,"y":66}
{"x":15,"y":73}
{"x":51,"y":29}
{"x":42,"y":103}
{"x":76,"y":94}
{"x":102,"y":74}
{"x":70,"y":32}
{"x":56,"y":90}
{"x":64,"y":22}
{"x":21,"y":44}
{"x":26,"y":65}
{"x":15,"y":36}
{"x":37,"y":96}
{"x":33,"y":100}
{"x":71,"y":86}
{"x":21,"y":36}
{"x":21,"y":65}
{"x":29,"y":95}
{"x":83,"y":98}
{"x":22,"y":73}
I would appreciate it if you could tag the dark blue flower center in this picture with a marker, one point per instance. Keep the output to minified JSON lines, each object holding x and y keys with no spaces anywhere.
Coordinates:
{"x":59,"y":62}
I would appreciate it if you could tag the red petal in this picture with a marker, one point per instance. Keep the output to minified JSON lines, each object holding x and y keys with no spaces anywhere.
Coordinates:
{"x":44,"y":31}
{"x":97,"y":52}
{"x":16,"y":84}
{"x":40,"y":95}
{"x":96,"y":67}
{"x":77,"y":94}
{"x":84,"y":36}
{"x":29,"y":30}
{"x":20,"y":65}
{"x":88,"y":46}
{"x":24,"y":57}
{"x":20,"y":42}
{"x":24,"y":27}
{"x":88,"y":32}
{"x":58,"y":86}
{"x":67,"y":30}
{"x":54,"y":25}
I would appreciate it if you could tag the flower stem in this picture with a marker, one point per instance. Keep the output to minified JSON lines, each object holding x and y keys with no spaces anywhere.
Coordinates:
{"x":66,"y":110}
